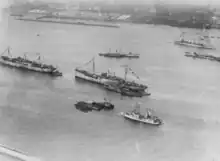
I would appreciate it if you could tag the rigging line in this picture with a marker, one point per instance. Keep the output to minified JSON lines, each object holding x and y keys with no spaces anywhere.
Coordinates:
{"x":7,"y":49}
{"x":84,"y":64}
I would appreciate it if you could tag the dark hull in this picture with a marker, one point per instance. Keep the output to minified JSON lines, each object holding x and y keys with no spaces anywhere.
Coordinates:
{"x":211,"y":58}
{"x":97,"y":106}
{"x":127,"y":84}
{"x":125,"y":92}
{"x":119,"y":56}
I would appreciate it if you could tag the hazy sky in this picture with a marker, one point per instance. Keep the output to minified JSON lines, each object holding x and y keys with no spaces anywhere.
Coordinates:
{"x":200,"y":2}
{"x":147,"y":1}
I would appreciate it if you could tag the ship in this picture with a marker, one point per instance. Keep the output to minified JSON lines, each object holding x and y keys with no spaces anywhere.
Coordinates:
{"x":211,"y":57}
{"x":123,"y":82}
{"x":87,"y":106}
{"x":91,"y":76}
{"x":118,"y":54}
{"x":106,"y":77}
{"x":194,"y":43}
{"x":26,"y":64}
{"x":136,"y":116}
{"x":125,"y":91}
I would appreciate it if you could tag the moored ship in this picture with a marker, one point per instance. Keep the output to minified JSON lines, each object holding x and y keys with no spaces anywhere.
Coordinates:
{"x":136,"y":115}
{"x":211,"y":57}
{"x":126,"y":91}
{"x":86,"y":106}
{"x":91,"y":76}
{"x":118,"y":54}
{"x":128,"y":88}
{"x":24,"y":63}
{"x":193,"y":43}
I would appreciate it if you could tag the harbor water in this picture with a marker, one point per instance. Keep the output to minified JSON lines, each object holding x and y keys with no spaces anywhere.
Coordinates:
{"x":37,"y":113}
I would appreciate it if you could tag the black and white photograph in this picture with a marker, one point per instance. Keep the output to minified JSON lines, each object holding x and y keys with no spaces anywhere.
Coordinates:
{"x":109,"y":80}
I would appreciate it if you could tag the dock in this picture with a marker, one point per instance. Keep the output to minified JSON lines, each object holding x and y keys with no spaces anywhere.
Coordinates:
{"x":70,"y":22}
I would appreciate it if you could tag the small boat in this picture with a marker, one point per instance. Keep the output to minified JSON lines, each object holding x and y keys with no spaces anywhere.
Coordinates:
{"x":24,"y":63}
{"x":117,"y":54}
{"x":86,"y":106}
{"x":148,"y":118}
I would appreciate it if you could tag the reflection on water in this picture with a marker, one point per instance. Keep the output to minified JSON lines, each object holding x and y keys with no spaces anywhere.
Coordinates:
{"x":37,"y":113}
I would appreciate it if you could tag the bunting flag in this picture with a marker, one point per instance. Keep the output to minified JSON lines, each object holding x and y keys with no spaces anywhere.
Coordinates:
{"x":9,"y":51}
{"x":132,"y":72}
{"x":89,"y":61}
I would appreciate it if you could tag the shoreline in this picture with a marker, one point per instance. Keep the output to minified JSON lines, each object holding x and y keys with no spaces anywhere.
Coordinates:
{"x":69,"y":22}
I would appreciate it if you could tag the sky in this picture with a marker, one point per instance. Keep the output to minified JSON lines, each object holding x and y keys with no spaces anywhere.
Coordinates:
{"x":205,"y":2}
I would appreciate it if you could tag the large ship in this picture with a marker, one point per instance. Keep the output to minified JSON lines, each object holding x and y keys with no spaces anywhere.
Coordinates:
{"x":111,"y":82}
{"x":200,"y":43}
{"x":24,"y":63}
{"x":105,"y":77}
{"x":211,"y":57}
{"x":91,"y":76}
{"x":124,"y":91}
{"x":87,"y":106}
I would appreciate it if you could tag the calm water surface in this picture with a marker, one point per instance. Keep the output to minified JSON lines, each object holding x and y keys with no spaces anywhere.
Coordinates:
{"x":37,"y":113}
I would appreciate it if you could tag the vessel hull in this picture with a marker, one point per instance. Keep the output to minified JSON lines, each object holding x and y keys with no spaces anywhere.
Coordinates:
{"x":119,"y":56}
{"x":99,"y":80}
{"x":28,"y":68}
{"x":193,"y":45}
{"x":149,"y":122}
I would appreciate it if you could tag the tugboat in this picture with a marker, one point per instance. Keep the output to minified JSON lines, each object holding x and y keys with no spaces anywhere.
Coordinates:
{"x":117,"y":54}
{"x":24,"y":63}
{"x":86,"y":106}
{"x":148,"y":118}
{"x":193,"y":43}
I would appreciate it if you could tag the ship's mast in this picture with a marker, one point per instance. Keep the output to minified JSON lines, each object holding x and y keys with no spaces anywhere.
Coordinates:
{"x":6,"y":50}
{"x":93,"y":64}
{"x":137,"y":107}
{"x":126,"y":72}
